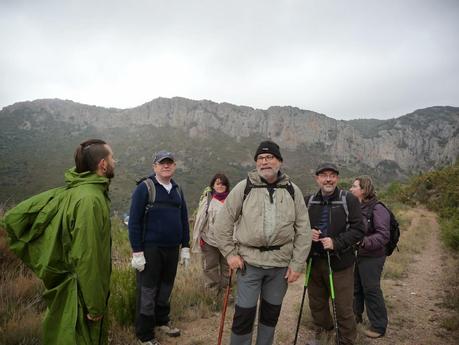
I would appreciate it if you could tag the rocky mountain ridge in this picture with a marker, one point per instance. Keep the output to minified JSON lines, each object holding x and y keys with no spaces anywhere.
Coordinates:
{"x":421,"y":140}
{"x":38,"y":138}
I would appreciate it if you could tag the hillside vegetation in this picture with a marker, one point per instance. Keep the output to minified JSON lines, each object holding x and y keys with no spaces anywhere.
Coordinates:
{"x":439,"y":191}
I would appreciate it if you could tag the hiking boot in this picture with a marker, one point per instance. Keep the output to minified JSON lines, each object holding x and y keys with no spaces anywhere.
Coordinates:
{"x":320,"y":336}
{"x":169,"y":330}
{"x":371,"y":333}
{"x":150,"y":342}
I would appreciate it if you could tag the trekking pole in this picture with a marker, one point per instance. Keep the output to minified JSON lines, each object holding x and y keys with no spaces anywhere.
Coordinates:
{"x":225,"y":306}
{"x":306,"y":281}
{"x":332,"y":292}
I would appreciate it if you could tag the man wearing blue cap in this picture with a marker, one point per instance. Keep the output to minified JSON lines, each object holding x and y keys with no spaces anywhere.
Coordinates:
{"x":158,"y":230}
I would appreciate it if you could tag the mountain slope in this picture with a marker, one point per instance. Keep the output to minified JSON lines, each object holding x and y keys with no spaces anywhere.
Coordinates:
{"x":38,"y":139}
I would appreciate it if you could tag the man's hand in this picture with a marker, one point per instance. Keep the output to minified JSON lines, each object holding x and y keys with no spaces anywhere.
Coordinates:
{"x":327,"y":242}
{"x":291,"y":276}
{"x":235,"y":262}
{"x":138,"y":261}
{"x":185,"y":256}
{"x":94,"y":318}
{"x":315,"y":235}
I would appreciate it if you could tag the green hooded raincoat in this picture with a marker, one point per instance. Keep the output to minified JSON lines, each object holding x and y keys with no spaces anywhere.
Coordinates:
{"x":64,"y":236}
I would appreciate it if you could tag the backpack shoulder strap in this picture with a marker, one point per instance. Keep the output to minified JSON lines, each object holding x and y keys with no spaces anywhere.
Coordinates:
{"x":151,"y":190}
{"x":343,"y":202}
{"x":179,"y":192}
{"x":343,"y":195}
{"x":209,"y":199}
{"x":291,"y":189}
{"x":311,"y":201}
{"x":247,"y":189}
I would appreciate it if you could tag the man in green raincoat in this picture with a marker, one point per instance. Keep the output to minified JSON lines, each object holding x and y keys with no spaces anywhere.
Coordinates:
{"x":63,"y":235}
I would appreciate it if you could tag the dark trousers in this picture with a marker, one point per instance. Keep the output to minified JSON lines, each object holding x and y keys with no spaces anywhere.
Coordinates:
{"x":367,"y":291}
{"x":154,"y":288}
{"x":319,"y":299}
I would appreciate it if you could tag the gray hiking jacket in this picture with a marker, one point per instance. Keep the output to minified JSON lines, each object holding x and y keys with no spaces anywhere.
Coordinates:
{"x":291,"y":231}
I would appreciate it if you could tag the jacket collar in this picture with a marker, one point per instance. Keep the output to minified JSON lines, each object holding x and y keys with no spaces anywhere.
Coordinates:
{"x":153,"y":177}
{"x":256,"y":179}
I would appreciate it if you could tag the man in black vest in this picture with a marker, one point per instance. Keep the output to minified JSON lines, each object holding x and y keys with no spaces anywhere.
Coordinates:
{"x":337,"y":226}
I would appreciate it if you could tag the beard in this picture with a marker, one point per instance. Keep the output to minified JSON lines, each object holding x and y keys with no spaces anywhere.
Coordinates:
{"x":110,"y":172}
{"x":328,"y":189}
{"x":268,"y":174}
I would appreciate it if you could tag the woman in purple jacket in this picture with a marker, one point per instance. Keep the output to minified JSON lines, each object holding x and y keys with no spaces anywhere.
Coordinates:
{"x":370,"y":258}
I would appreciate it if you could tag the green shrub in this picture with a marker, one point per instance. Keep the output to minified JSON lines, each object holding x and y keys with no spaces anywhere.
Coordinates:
{"x":439,"y":191}
{"x":122,"y":296}
{"x":450,"y":232}
{"x":122,"y":286}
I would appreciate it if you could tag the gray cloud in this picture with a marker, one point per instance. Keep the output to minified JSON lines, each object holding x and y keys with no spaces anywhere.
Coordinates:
{"x":345,"y":59}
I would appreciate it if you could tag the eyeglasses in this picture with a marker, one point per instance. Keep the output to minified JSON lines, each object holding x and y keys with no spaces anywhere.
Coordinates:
{"x":328,"y":176}
{"x":267,"y":158}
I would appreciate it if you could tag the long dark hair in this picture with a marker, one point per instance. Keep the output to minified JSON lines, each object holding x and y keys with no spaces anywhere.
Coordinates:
{"x":89,"y":153}
{"x":222,"y":177}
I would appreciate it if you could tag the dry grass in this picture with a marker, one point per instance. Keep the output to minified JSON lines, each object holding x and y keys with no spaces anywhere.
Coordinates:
{"x":451,"y":300}
{"x":190,"y":300}
{"x":23,"y":328}
{"x":21,"y":306}
{"x":413,"y":239}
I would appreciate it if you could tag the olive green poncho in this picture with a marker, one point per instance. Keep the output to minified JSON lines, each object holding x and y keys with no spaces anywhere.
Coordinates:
{"x":63,"y":235}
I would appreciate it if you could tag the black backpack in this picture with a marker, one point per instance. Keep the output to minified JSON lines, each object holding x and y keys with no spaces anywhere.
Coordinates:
{"x":394,"y":229}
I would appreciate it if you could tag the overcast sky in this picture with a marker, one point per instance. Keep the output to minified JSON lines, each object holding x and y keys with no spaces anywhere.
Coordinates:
{"x":346,"y":59}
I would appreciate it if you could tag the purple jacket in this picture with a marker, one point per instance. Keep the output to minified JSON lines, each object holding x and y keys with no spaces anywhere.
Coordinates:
{"x":377,"y":234}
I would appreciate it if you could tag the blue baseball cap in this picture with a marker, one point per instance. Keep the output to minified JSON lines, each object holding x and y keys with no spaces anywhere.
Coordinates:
{"x":162,"y":155}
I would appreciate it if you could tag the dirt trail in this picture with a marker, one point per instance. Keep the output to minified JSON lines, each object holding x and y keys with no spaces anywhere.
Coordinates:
{"x":414,"y":303}
{"x":417,"y":301}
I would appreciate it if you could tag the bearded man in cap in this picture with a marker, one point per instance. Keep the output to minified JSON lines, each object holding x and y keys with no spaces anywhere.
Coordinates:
{"x":158,"y":231}
{"x":270,"y":245}
{"x":337,"y":226}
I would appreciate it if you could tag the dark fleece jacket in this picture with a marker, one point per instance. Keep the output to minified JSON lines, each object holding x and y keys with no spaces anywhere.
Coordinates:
{"x":166,"y":224}
{"x":343,"y":240}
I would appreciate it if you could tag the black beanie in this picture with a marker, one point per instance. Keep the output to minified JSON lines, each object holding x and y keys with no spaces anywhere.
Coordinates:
{"x":268,"y":147}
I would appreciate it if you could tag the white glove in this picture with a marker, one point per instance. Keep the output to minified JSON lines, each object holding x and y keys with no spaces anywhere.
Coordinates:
{"x":138,"y":261}
{"x":185,"y":257}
